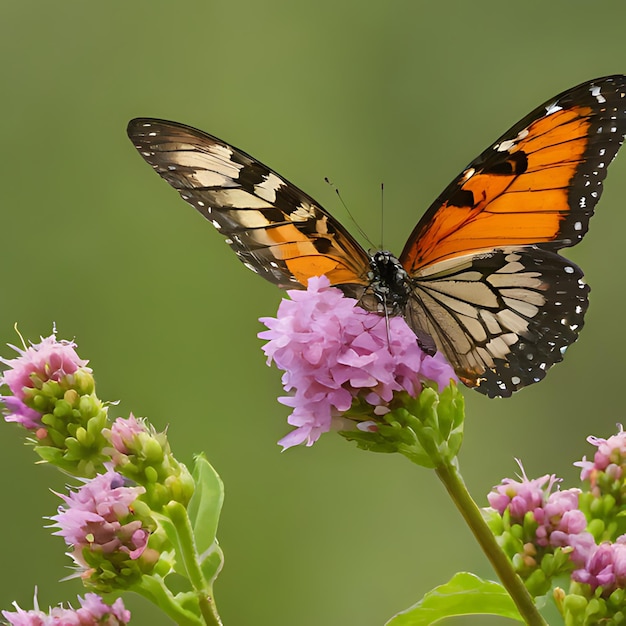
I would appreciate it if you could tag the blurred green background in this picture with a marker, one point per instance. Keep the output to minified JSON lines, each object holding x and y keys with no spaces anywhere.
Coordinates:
{"x":404,"y":93}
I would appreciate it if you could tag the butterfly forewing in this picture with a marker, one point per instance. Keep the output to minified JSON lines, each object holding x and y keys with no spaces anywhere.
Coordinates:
{"x":538,"y":183}
{"x":276,"y":230}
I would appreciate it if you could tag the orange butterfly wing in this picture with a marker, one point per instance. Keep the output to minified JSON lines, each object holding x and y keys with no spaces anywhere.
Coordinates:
{"x":538,"y":183}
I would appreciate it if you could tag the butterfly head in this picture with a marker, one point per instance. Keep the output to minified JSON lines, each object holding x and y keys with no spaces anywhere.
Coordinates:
{"x":389,"y":282}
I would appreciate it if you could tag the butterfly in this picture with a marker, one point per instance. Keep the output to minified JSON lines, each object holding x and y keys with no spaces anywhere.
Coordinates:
{"x":480,"y":277}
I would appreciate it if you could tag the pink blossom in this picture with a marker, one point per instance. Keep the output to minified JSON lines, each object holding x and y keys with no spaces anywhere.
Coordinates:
{"x":99,"y":515}
{"x":583,"y":544}
{"x":333,"y":351}
{"x":48,"y":360}
{"x":559,"y":518}
{"x":610,"y":457}
{"x":605,"y":567}
{"x":559,"y":521}
{"x":124,"y":431}
{"x":17,"y":411}
{"x":522,"y":496}
{"x":93,"y":612}
{"x":93,"y":605}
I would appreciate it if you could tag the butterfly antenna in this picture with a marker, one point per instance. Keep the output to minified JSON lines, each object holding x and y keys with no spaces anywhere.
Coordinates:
{"x":382,"y":216}
{"x":345,"y":206}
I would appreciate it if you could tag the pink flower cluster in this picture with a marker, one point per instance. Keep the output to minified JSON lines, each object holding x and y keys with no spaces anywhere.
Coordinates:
{"x":93,"y":612}
{"x":48,"y":360}
{"x":605,"y":567}
{"x":333,"y":351}
{"x":96,"y":517}
{"x":609,"y":458}
{"x":560,"y":522}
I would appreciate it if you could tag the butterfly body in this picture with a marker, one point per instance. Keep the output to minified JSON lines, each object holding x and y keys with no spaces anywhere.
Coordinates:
{"x":389,"y":282}
{"x":480,"y":276}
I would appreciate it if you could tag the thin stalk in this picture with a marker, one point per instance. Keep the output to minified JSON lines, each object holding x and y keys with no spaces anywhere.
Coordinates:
{"x":451,"y":478}
{"x":204,"y":591}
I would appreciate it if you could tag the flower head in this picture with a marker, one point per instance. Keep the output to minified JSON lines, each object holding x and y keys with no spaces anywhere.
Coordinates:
{"x":48,"y":360}
{"x":100,"y":522}
{"x":92,"y":612}
{"x":334,"y":352}
{"x":541,"y":528}
{"x":52,"y":394}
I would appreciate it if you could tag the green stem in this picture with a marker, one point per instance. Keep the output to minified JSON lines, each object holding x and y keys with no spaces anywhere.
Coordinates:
{"x":209,"y":610}
{"x":204,"y":591}
{"x":451,"y":478}
{"x":153,"y":589}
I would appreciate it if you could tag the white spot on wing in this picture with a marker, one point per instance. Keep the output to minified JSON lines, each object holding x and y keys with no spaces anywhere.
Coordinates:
{"x":505,"y":146}
{"x":469,"y":173}
{"x":553,"y":108}
{"x":595,"y":92}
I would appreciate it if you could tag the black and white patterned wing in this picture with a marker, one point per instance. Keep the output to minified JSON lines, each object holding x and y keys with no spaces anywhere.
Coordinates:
{"x":276,"y":230}
{"x":502,"y":317}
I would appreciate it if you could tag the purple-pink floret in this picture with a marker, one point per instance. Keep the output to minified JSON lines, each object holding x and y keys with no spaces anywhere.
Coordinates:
{"x":124,"y":432}
{"x":559,"y":519}
{"x":610,"y":457}
{"x":48,"y":360}
{"x":333,"y":351}
{"x":98,"y":515}
{"x":93,"y":612}
{"x":605,"y":567}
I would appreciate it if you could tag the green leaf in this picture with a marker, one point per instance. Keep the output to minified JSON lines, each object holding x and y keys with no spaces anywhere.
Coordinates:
{"x":205,"y":505}
{"x":212,"y":563}
{"x":464,"y":594}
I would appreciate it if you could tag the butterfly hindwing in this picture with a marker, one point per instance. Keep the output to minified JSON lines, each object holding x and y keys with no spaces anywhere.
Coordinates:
{"x":276,"y":230}
{"x":503,"y":317}
{"x":538,"y":183}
